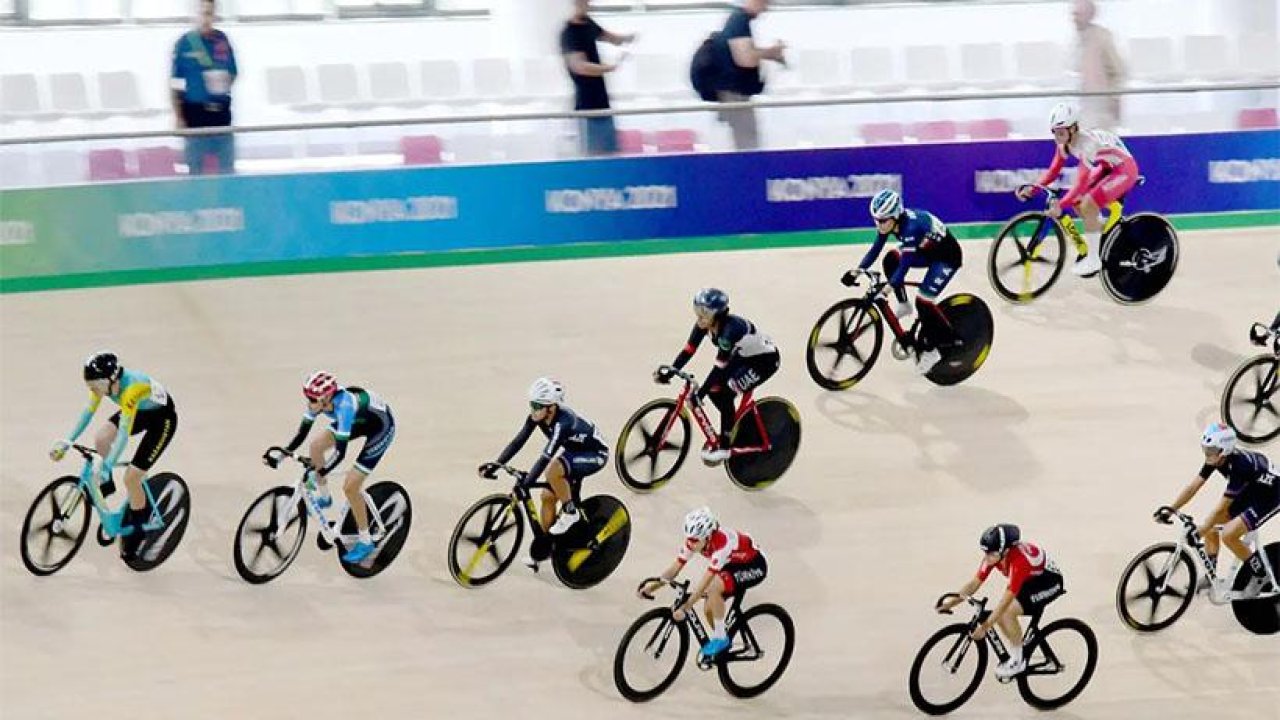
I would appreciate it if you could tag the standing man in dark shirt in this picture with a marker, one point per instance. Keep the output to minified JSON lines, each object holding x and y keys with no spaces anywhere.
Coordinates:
{"x":741,"y":60}
{"x":204,"y":68}
{"x":582,"y":59}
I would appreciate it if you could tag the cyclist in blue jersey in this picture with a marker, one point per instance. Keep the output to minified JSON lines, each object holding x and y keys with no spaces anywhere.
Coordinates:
{"x":353,"y":413}
{"x":925,"y":243}
{"x":146,"y":408}
{"x":575,"y":450}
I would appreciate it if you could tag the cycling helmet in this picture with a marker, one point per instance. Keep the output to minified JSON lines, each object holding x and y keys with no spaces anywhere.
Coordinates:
{"x":546,"y":391}
{"x":1064,"y":114}
{"x":713,"y":300}
{"x":101,"y":366}
{"x":1219,"y":437}
{"x":886,"y":204}
{"x":320,"y":386}
{"x":699,"y":523}
{"x":999,"y":538}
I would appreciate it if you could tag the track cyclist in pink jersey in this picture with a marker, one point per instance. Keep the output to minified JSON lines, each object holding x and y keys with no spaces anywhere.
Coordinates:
{"x":1107,"y":171}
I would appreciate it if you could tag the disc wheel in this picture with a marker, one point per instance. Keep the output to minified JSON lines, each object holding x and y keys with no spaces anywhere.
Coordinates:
{"x":974,"y":327}
{"x":759,"y":470}
{"x":173,"y":500}
{"x":391,"y":502}
{"x":591,"y":550}
{"x":1139,"y":258}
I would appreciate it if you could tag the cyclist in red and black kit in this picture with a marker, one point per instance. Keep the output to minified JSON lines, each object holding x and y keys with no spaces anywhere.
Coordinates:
{"x":735,"y":564}
{"x":1034,"y":582}
{"x":745,"y":358}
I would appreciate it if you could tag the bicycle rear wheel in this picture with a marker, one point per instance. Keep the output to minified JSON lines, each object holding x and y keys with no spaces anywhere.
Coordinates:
{"x":947,"y":671}
{"x":647,"y":661}
{"x":269,"y":536}
{"x":173,"y":500}
{"x":760,"y":647}
{"x":644,"y":449}
{"x":973,"y":325}
{"x":1139,"y":258}
{"x":55,"y":526}
{"x":759,"y":470}
{"x":1260,"y":616}
{"x":1026,"y":257}
{"x":1062,"y":649}
{"x":1248,"y":403}
{"x":391,"y":502}
{"x":844,"y":344}
{"x":593,"y":549}
{"x":485,"y":540}
{"x":1160,"y":576}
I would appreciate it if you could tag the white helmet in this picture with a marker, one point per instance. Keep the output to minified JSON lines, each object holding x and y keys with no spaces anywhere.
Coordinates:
{"x":545,"y":391}
{"x":1064,"y":114}
{"x":1219,"y":437}
{"x":699,"y":523}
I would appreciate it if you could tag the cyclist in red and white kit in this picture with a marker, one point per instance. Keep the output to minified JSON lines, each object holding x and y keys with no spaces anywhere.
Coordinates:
{"x":735,"y":563}
{"x":1107,"y":171}
{"x":1034,"y":582}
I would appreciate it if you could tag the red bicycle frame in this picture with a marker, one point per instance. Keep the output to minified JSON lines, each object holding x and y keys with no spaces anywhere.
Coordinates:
{"x":747,"y":405}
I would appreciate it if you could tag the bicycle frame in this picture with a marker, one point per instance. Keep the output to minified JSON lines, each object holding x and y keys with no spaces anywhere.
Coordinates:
{"x":876,"y":296}
{"x":688,"y":398}
{"x":1191,"y":537}
{"x":981,"y":615}
{"x":1115,"y":213}
{"x":700,"y":634}
{"x":89,"y":489}
{"x":308,"y":498}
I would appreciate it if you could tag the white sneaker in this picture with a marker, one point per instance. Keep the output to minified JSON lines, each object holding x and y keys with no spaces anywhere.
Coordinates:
{"x":1088,"y":265}
{"x":715,"y":457}
{"x":927,"y":361}
{"x":904,"y":310}
{"x":565,"y":521}
{"x":1011,"y":668}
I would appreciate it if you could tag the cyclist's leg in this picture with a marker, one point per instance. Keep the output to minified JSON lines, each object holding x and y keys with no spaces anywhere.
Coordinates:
{"x":752,"y":372}
{"x":1108,"y":192}
{"x":1210,"y":535}
{"x":317,"y":451}
{"x":890,"y":264}
{"x":370,"y":455}
{"x":721,"y":395}
{"x":936,"y":330}
{"x":157,"y":428}
{"x":558,"y":479}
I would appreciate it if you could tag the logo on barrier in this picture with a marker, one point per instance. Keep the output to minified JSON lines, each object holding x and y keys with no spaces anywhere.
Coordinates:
{"x":1006,"y":181}
{"x":829,"y":187}
{"x":1223,"y":172}
{"x":17,"y":232}
{"x":612,"y":199}
{"x":204,"y":221}
{"x":393,"y":210}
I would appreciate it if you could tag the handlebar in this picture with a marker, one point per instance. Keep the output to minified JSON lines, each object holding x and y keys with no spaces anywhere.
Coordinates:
{"x":1260,"y":335}
{"x":1169,"y":513}
{"x":878,"y":282}
{"x":519,"y":476}
{"x":87,"y":453}
{"x":671,"y":371}
{"x":979,"y":603}
{"x":275,"y":454}
{"x":1051,"y":192}
{"x":682,"y":587}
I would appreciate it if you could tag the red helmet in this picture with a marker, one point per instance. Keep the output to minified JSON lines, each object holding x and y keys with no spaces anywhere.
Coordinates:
{"x":320,"y":386}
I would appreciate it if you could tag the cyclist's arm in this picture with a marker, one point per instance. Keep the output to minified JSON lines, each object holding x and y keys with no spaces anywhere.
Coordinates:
{"x":1001,"y":607}
{"x":1055,"y":167}
{"x":1084,"y":178}
{"x":673,"y":569}
{"x":516,"y":443}
{"x":549,"y":451}
{"x":304,"y":429}
{"x":690,"y":347}
{"x":129,"y":400}
{"x":873,"y":252}
{"x":344,"y":414}
{"x":95,"y":399}
{"x":1192,"y":488}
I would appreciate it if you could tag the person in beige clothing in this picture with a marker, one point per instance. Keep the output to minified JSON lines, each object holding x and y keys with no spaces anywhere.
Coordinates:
{"x":1098,"y":66}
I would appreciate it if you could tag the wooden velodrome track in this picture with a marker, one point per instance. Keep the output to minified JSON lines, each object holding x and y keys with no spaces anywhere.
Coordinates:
{"x":1083,"y":421}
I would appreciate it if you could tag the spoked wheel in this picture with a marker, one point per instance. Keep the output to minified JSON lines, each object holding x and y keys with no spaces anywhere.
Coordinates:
{"x":391,"y":502}
{"x":759,"y":470}
{"x":1248,"y":403}
{"x":1139,"y":257}
{"x":1260,"y":616}
{"x":594,"y":548}
{"x":844,"y":344}
{"x":1060,"y":663}
{"x":947,"y":671}
{"x":650,"y":656}
{"x":1026,"y":257}
{"x":173,"y":500}
{"x":760,"y":647}
{"x":1156,"y":588}
{"x":269,"y":536}
{"x":653,"y":446}
{"x":485,"y":540}
{"x":974,"y":327}
{"x":55,"y":526}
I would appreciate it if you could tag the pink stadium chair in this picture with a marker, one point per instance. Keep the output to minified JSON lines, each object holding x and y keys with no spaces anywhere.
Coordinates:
{"x":1256,"y":118}
{"x":107,"y":164}
{"x":934,"y":131}
{"x":675,"y":141}
{"x":159,"y":161}
{"x":992,"y":129}
{"x":421,"y":150}
{"x":630,"y":142}
{"x":885,"y":133}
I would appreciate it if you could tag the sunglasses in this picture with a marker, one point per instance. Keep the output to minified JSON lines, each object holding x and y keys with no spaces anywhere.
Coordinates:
{"x":537,"y":406}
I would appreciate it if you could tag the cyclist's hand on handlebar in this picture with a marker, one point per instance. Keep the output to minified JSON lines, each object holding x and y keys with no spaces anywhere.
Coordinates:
{"x":1024,"y":192}
{"x":272,"y":457}
{"x":1164,"y":515}
{"x":646,"y":589}
{"x":59,"y":450}
{"x":489,"y":470}
{"x":849,"y":279}
{"x":1258,"y":334}
{"x":663,"y":374}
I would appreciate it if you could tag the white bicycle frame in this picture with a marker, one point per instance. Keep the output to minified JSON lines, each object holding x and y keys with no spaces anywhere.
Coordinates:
{"x":377,"y":529}
{"x":1250,"y":539}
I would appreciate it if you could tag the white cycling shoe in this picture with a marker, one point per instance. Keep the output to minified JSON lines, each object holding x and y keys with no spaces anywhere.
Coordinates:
{"x":1086,"y":266}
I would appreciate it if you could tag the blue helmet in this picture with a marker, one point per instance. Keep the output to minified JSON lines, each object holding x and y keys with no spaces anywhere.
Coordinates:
{"x":712,"y":300}
{"x":886,"y":204}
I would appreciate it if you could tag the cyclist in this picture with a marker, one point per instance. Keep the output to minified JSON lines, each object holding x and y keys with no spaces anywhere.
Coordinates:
{"x":1251,"y":498}
{"x":1034,"y":582}
{"x":1107,"y":171}
{"x":735,"y":563}
{"x":745,"y":358}
{"x":925,"y":242}
{"x":353,"y":413}
{"x":574,"y":450}
{"x":146,"y":408}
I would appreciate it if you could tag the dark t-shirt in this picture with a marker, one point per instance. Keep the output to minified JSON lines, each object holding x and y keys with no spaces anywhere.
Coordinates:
{"x":589,"y":92}
{"x":737,"y":79}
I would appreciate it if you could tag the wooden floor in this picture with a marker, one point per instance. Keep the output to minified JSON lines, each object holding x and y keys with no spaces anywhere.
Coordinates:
{"x":1083,"y":421}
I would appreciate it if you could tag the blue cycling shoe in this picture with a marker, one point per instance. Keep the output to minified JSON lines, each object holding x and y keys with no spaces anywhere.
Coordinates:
{"x":714,"y":647}
{"x":358,"y":552}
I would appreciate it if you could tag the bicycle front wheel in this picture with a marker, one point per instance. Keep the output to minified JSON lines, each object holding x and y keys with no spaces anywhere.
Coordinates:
{"x":269,"y":536}
{"x":1026,"y":257}
{"x":1156,"y":588}
{"x":947,"y":671}
{"x":55,"y":527}
{"x":650,"y":656}
{"x":1248,"y":403}
{"x":760,"y":647}
{"x":1060,"y":663}
{"x":485,"y":541}
{"x":844,"y":344}
{"x":653,"y":445}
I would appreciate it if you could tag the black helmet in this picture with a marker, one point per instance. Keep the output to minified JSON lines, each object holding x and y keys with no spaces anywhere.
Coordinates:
{"x":999,"y":538}
{"x":101,"y":366}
